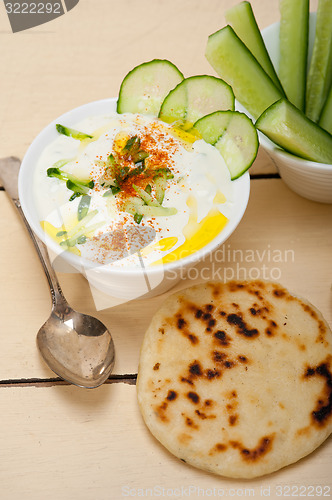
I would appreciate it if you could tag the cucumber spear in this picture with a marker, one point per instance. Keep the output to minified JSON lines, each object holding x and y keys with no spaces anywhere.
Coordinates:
{"x":320,"y":70}
{"x":294,"y":29}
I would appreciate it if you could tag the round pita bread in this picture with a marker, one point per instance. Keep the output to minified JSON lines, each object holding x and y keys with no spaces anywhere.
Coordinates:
{"x":236,"y":378}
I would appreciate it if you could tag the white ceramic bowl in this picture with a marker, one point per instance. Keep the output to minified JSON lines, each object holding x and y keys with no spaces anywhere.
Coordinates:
{"x":123,"y":283}
{"x":307,"y":178}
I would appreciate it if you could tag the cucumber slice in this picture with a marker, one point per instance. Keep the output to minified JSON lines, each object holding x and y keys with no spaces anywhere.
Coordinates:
{"x":157,"y":211}
{"x":320,"y":69}
{"x":71,"y":132}
{"x":242,"y":20}
{"x":325,"y":120}
{"x":195,"y":97}
{"x":235,"y":137}
{"x":289,"y":128}
{"x":160,"y":184}
{"x":234,"y":62}
{"x":294,"y":31}
{"x":145,"y":87}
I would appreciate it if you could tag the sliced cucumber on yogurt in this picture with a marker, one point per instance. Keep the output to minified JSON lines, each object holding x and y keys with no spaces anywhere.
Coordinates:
{"x":144,"y":88}
{"x":71,"y":132}
{"x":235,"y":137}
{"x":196,"y":97}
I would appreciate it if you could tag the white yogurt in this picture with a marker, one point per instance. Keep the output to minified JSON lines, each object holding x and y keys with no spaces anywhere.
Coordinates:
{"x":200,"y":190}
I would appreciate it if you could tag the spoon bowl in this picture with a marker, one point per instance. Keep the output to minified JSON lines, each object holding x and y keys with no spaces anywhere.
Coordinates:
{"x":77,"y":347}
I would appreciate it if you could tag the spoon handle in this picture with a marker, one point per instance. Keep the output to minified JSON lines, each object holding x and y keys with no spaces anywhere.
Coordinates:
{"x":58,"y":297}
{"x":9,"y":169}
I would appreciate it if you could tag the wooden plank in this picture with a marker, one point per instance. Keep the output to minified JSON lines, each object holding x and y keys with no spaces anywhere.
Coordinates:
{"x":75,"y":443}
{"x":282,"y":237}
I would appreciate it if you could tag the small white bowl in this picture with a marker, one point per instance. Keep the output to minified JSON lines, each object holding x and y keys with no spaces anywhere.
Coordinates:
{"x":309,"y":179}
{"x":123,"y":283}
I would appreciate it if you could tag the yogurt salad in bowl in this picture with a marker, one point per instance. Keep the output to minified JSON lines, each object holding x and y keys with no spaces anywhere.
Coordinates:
{"x":127,"y":198}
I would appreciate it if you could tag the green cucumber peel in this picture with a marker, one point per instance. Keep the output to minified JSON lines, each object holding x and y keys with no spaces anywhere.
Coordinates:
{"x":293,"y":38}
{"x":235,"y":137}
{"x":234,"y":62}
{"x":242,"y":19}
{"x":325,"y":120}
{"x":145,"y":87}
{"x":83,"y":207}
{"x":78,"y":186}
{"x":292,"y":130}
{"x":71,"y":132}
{"x":320,"y":69}
{"x":81,"y":236}
{"x":146,"y":197}
{"x":150,"y":211}
{"x":196,"y":97}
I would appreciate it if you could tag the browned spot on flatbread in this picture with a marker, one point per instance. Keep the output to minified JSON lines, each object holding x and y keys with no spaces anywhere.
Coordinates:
{"x":322,"y":326}
{"x":221,"y":338}
{"x":202,"y":415}
{"x":279,"y":292}
{"x":211,"y":324}
{"x":254,"y":454}
{"x":198,"y":313}
{"x":181,"y":322}
{"x":271,"y":329}
{"x":241,"y":325}
{"x":218,"y":448}
{"x":190,"y":423}
{"x":215,"y":289}
{"x":232,"y":419}
{"x":171,"y":395}
{"x":193,"y":396}
{"x":186,"y":380}
{"x":234,"y":286}
{"x":323,"y":410}
{"x":184,"y":438}
{"x":161,"y":411}
{"x":212,"y":373}
{"x":308,"y":310}
{"x":156,"y":366}
{"x":218,"y":356}
{"x":229,"y":364}
{"x":195,"y":369}
{"x":203,"y":314}
{"x":305,"y":431}
{"x":182,"y":326}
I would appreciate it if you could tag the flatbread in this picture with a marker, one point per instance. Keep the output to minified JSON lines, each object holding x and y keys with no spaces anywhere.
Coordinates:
{"x":236,"y":378}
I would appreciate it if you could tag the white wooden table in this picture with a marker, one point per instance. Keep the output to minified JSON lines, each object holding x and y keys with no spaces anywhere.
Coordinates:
{"x":58,"y":441}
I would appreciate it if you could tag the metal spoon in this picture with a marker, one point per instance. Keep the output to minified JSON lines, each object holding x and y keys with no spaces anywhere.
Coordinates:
{"x":77,"y":347}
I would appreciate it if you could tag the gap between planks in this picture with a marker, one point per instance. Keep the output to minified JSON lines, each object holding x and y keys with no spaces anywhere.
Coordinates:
{"x":56,"y":381}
